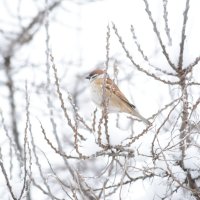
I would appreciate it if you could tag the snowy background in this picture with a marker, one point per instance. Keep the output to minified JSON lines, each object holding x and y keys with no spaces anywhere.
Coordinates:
{"x":42,"y":155}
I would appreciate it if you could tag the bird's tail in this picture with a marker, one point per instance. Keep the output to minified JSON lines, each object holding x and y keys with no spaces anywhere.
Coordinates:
{"x":137,"y":114}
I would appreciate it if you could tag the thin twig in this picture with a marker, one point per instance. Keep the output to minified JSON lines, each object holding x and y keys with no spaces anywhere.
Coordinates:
{"x":139,"y":68}
{"x":183,"y":36}
{"x":158,"y":35}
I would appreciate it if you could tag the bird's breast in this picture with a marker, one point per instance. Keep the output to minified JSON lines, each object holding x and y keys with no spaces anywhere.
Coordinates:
{"x":97,"y":97}
{"x":96,"y":93}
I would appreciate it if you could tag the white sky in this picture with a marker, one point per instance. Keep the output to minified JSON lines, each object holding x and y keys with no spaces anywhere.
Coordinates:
{"x":79,"y":36}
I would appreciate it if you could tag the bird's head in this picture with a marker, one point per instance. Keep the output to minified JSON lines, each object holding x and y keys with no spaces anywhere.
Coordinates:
{"x":97,"y":73}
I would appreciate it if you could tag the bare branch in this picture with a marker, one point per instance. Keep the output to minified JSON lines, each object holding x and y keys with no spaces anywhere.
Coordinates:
{"x":139,"y":68}
{"x":183,"y":36}
{"x":165,"y":16}
{"x":145,"y":57}
{"x":158,"y":36}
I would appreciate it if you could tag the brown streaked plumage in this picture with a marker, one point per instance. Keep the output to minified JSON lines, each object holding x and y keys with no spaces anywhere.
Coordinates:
{"x":117,"y":102}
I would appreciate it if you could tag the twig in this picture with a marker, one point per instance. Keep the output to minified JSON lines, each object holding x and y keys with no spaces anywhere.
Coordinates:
{"x":6,"y":178}
{"x":139,"y":68}
{"x":145,"y":56}
{"x":183,"y":36}
{"x":158,"y":35}
{"x":165,"y":16}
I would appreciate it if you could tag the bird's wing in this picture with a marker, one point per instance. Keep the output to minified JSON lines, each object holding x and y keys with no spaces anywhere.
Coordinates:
{"x":113,"y":88}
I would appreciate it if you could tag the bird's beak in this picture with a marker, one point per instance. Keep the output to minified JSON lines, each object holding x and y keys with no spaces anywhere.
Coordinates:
{"x":87,"y":77}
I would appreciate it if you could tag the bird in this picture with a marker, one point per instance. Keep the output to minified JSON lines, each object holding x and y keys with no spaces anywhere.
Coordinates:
{"x":102,"y":87}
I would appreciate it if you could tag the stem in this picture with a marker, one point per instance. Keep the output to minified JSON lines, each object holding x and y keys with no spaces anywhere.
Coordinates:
{"x":10,"y":84}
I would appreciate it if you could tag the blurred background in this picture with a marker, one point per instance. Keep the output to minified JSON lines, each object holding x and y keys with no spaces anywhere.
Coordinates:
{"x":55,"y":143}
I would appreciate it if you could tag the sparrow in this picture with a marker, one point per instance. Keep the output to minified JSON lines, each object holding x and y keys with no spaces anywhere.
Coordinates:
{"x":117,"y":102}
